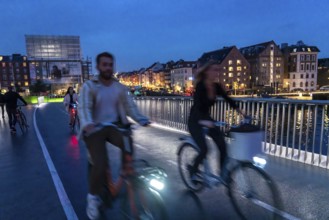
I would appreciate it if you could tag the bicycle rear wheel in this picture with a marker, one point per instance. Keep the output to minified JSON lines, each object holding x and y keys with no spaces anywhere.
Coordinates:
{"x":253,"y":194}
{"x":19,"y":121}
{"x":186,"y":156}
{"x":24,"y":122}
{"x":141,"y":202}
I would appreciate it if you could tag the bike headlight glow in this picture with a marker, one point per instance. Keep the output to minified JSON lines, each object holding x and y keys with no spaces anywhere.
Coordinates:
{"x":156,"y":184}
{"x":261,"y":162}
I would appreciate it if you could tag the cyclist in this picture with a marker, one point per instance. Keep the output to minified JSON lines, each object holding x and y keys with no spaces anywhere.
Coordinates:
{"x":205,"y":96}
{"x":70,"y":98}
{"x":11,"y":98}
{"x":2,"y":104}
{"x":104,"y":100}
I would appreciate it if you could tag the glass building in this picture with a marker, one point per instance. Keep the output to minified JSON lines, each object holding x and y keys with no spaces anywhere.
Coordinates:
{"x":56,"y":59}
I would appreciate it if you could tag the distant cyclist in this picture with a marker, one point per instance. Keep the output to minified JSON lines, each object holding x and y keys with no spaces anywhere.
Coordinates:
{"x":104,"y":100}
{"x":11,"y":98}
{"x":205,"y":96}
{"x":70,"y":98}
{"x":2,"y":104}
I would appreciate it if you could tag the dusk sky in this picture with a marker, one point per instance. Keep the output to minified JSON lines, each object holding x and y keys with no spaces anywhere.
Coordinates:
{"x":141,"y":32}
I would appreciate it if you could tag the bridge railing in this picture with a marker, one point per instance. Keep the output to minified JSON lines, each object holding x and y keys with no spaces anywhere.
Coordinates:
{"x":294,"y":129}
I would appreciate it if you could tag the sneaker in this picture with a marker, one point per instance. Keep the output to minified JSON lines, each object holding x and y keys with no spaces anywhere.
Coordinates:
{"x":93,"y":203}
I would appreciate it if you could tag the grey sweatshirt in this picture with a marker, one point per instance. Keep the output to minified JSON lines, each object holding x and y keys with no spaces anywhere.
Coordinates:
{"x":99,"y":103}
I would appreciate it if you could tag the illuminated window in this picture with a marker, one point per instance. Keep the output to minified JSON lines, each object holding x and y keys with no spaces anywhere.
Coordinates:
{"x":238,"y":62}
{"x":24,"y":64}
{"x":245,"y":67}
{"x":19,"y":83}
{"x":238,"y":79}
{"x":224,"y":80}
{"x":1,"y":58}
{"x":230,"y":68}
{"x":25,"y":77}
{"x":230,"y":74}
{"x":244,"y":73}
{"x":239,"y":68}
{"x":230,"y":62}
{"x":263,"y":64}
{"x":3,"y":64}
{"x":309,"y":49}
{"x":224,"y":74}
{"x":278,"y":64}
{"x":26,"y":84}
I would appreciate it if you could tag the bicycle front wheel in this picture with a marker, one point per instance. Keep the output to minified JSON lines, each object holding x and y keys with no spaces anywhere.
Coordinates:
{"x":186,"y":156}
{"x":253,"y":193}
{"x":142,"y":202}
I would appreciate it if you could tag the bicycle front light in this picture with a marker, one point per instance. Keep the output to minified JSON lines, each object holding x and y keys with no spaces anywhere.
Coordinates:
{"x":259,"y":161}
{"x":156,"y":184}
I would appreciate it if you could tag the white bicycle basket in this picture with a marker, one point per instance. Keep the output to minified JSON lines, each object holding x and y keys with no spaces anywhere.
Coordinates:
{"x":245,"y":145}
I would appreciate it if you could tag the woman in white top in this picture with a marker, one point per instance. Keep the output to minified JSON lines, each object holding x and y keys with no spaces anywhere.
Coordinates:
{"x":70,"y":98}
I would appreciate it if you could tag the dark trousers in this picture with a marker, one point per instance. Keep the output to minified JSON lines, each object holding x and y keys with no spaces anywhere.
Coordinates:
{"x":96,"y":144}
{"x":11,"y":116}
{"x":2,"y":106}
{"x":198,"y":135}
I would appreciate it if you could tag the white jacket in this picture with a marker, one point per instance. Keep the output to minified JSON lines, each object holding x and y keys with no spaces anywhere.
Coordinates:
{"x":67,"y":99}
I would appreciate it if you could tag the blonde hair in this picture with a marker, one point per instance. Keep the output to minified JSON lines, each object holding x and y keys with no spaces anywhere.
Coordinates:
{"x":201,"y":73}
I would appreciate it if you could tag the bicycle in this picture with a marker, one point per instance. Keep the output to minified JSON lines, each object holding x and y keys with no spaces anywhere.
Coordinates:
{"x":141,"y":182}
{"x":21,"y":120}
{"x":75,"y":118}
{"x":247,"y":181}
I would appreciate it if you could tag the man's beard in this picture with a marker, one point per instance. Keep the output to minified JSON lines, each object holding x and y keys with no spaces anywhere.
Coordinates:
{"x":106,"y":75}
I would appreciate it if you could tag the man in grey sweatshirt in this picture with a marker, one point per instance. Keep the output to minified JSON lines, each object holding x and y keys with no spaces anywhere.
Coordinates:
{"x":104,"y":100}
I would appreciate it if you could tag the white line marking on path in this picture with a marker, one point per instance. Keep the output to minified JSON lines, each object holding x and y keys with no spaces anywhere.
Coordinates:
{"x":172,"y":162}
{"x":66,"y":203}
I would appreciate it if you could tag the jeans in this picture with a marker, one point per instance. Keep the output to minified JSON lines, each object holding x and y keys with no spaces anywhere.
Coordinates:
{"x":2,"y":106}
{"x":11,"y":116}
{"x":96,"y":144}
